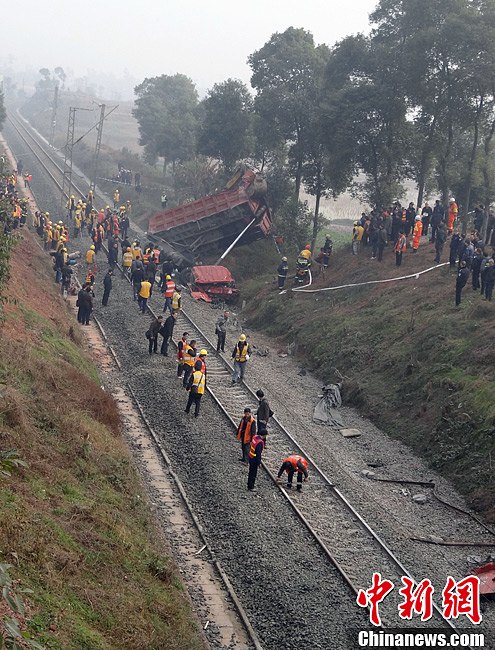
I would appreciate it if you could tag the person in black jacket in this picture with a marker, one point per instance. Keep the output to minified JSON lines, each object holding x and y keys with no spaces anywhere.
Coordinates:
{"x":113,"y":253}
{"x":437,"y":217}
{"x":460,"y":283}
{"x":167,"y":331}
{"x":150,"y":273}
{"x":59,"y":264}
{"x":107,"y":287}
{"x":137,"y":276}
{"x":282,"y":270}
{"x":479,"y":217}
{"x":66,"y":277}
{"x":426,"y":213}
{"x":152,"y":334}
{"x":476,"y":268}
{"x":79,"y":303}
{"x":410,"y":219}
{"x":264,"y":412}
{"x":489,"y":279}
{"x":382,"y":242}
{"x":440,"y":239}
{"x":86,"y":305}
{"x":455,"y":246}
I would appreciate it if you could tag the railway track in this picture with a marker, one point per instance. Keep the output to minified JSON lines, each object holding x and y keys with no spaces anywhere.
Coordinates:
{"x":345,"y":537}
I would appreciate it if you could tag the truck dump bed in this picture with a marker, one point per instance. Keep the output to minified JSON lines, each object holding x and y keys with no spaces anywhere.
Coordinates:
{"x":211,"y":223}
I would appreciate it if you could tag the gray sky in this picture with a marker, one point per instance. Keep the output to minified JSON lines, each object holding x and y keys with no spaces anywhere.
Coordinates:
{"x":208,"y":41}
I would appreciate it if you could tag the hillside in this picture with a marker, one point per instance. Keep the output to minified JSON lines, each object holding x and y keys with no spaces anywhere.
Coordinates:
{"x":419,"y":367}
{"x":75,"y":524}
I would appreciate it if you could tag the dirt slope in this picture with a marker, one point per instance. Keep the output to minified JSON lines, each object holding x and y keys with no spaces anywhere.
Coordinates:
{"x":75,"y":523}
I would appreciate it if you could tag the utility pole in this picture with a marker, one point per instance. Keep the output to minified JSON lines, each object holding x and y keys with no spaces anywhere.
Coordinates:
{"x":54,"y":115}
{"x":99,"y":131}
{"x":69,"y":147}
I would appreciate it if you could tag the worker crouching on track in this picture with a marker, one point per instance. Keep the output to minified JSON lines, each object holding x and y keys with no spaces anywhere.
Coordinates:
{"x":245,"y":433}
{"x":255,"y":453}
{"x":240,"y":356}
{"x":293,"y":464}
{"x":196,"y":385}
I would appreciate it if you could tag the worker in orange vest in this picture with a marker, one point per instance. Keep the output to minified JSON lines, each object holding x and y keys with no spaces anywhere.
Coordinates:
{"x":418,"y":229}
{"x":245,"y":432}
{"x":181,"y":348}
{"x":453,"y":212}
{"x":200,"y":363}
{"x":255,"y":451}
{"x":168,"y":293}
{"x":293,"y":464}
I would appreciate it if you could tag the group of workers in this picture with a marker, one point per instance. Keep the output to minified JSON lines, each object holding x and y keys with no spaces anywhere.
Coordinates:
{"x":468,"y":253}
{"x":141,"y":265}
{"x":304,"y":262}
{"x":13,"y":208}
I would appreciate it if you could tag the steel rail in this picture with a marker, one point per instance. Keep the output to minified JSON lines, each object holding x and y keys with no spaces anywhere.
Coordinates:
{"x":340,"y":496}
{"x":253,"y":637}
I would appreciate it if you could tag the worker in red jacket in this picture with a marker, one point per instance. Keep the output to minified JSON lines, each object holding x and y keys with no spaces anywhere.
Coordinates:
{"x":293,"y":464}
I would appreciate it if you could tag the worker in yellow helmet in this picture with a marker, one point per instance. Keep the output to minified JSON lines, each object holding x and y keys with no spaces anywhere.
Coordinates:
{"x":196,"y":386}
{"x":127,"y":260}
{"x":240,"y":355}
{"x":90,"y":257}
{"x":303,"y":264}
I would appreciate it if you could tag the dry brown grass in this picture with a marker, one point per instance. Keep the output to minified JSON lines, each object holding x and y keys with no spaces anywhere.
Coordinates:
{"x":75,"y":522}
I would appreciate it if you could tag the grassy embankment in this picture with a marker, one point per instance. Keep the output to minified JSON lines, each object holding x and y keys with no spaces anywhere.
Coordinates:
{"x":419,"y":367}
{"x":74,"y":522}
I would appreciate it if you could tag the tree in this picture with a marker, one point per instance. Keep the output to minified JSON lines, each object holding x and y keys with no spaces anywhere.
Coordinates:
{"x":285,"y":74}
{"x":61,"y":75}
{"x":166,"y":114}
{"x":292,"y":222}
{"x":196,"y":178}
{"x":225,"y":132}
{"x":364,"y":118}
{"x":449,"y":73}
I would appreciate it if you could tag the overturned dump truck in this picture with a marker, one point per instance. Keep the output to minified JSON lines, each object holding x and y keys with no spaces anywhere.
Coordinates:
{"x":212,"y":224}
